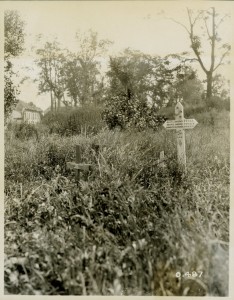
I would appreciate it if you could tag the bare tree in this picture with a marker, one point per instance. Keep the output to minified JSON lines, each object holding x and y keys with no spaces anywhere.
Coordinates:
{"x":209,"y":22}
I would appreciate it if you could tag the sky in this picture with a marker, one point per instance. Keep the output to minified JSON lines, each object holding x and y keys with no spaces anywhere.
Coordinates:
{"x":139,"y":25}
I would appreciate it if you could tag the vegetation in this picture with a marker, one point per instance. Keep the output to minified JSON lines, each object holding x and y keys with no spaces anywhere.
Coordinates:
{"x":13,"y":46}
{"x":208,"y":21}
{"x":131,"y":226}
{"x":76,"y":75}
{"x":68,"y":121}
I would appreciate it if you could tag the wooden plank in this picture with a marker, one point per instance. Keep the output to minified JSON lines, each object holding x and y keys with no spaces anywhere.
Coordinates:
{"x":70,"y":165}
{"x":83,"y":167}
{"x":180,"y":124}
{"x":75,"y":166}
{"x":179,"y":116}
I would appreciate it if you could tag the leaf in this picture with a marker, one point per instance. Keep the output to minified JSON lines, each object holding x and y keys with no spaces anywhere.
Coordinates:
{"x":14,"y":278}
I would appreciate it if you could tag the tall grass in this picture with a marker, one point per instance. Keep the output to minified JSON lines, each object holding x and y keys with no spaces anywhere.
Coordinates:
{"x":130,"y":227}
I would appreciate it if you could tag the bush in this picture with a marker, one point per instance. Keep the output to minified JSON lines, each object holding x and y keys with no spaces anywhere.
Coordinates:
{"x":219,"y":103}
{"x":24,"y":130}
{"x":124,"y":113}
{"x":71,"y":121}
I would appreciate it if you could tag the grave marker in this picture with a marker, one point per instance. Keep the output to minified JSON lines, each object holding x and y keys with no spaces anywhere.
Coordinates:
{"x":180,"y":124}
{"x":161,"y":160}
{"x":78,"y":166}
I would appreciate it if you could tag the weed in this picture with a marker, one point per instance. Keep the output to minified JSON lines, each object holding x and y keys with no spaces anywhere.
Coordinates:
{"x":127,"y":230}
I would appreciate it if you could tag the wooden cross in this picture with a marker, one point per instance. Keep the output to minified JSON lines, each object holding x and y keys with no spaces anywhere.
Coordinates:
{"x":78,"y":166}
{"x":179,"y":124}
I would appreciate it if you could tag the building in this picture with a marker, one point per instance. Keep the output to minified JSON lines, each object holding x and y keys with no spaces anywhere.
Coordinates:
{"x":27,"y":113}
{"x":16,"y":116}
{"x":31,"y":115}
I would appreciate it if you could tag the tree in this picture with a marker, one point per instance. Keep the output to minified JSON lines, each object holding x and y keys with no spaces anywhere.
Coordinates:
{"x":145,"y":76}
{"x":83,"y":77}
{"x":211,"y":22}
{"x":138,"y":86}
{"x":13,"y":46}
{"x":185,"y":83}
{"x":51,"y":62}
{"x":13,"y":33}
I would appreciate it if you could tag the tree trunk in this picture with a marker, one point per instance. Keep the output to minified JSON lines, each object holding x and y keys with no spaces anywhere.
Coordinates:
{"x":75,"y":101}
{"x":51,"y":101}
{"x":209,"y":87}
{"x":59,"y":103}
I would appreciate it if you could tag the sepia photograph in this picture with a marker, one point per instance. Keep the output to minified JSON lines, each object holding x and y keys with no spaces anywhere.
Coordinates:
{"x":117,"y":148}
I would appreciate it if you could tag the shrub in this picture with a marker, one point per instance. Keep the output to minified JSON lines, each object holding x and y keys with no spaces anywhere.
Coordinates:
{"x":24,"y":130}
{"x":124,"y":112}
{"x":219,"y":103}
{"x":71,"y":121}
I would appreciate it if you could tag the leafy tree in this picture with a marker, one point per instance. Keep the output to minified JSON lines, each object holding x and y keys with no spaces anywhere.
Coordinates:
{"x":138,"y":87}
{"x":83,"y":78}
{"x":209,"y":21}
{"x":51,"y":61}
{"x":185,"y":84}
{"x":10,"y":93}
{"x":13,"y":46}
{"x":13,"y":33}
{"x":135,"y":73}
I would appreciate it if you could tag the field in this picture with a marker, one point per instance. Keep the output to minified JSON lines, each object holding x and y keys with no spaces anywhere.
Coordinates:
{"x":131,"y":226}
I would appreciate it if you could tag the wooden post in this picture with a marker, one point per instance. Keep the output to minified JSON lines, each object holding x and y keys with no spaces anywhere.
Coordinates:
{"x":161,"y":159}
{"x":180,"y":124}
{"x":179,"y":116}
{"x":78,"y":161}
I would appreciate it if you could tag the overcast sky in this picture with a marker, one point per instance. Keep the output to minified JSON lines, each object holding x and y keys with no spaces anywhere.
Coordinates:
{"x":135,"y":24}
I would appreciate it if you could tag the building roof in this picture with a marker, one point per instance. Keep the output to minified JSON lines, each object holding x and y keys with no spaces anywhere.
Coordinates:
{"x":21,"y":105}
{"x":16,"y":115}
{"x":32,"y":108}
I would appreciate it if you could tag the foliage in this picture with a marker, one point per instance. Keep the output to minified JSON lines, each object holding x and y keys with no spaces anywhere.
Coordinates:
{"x":123,"y":111}
{"x":141,"y":85}
{"x":10,"y":92}
{"x":130,"y":227}
{"x":69,"y":121}
{"x":83,"y":78}
{"x":144,"y":76}
{"x":51,"y":61}
{"x":75,"y":74}
{"x":13,"y":33}
{"x":209,"y":21}
{"x":13,"y":46}
{"x":186,"y":85}
{"x":24,"y":130}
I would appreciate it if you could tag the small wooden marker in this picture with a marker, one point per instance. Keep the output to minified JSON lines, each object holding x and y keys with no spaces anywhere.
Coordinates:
{"x":78,"y":166}
{"x":179,"y":124}
{"x":161,"y":159}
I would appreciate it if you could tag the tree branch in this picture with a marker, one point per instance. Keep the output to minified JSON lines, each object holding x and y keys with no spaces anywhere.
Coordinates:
{"x":207,"y":30}
{"x":181,"y":24}
{"x":213,"y":41}
{"x":221,"y":59}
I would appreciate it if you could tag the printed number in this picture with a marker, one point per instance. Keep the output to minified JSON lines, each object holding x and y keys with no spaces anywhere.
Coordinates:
{"x":187,"y":274}
{"x":200,"y":273}
{"x":194,"y":274}
{"x":178,"y":274}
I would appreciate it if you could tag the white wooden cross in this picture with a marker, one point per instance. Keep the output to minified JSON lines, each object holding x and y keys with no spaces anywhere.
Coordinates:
{"x":179,"y":124}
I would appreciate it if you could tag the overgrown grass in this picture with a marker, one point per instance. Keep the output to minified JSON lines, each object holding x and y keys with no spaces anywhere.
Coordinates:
{"x":127,"y":230}
{"x":71,"y":121}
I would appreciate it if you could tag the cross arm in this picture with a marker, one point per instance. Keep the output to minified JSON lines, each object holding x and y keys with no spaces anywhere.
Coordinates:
{"x":75,"y":166}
